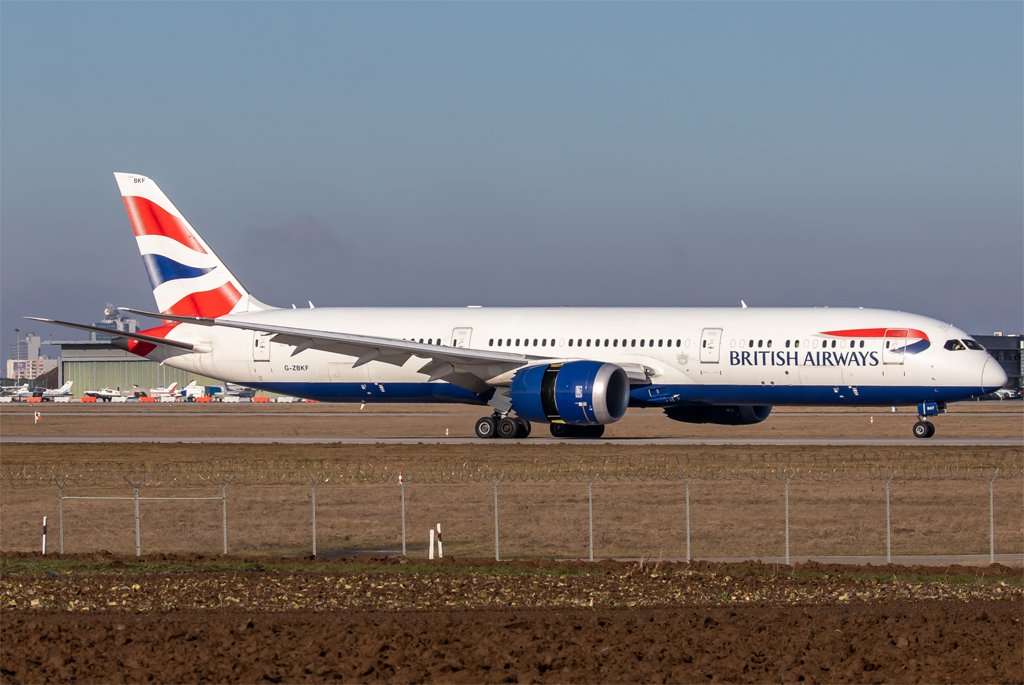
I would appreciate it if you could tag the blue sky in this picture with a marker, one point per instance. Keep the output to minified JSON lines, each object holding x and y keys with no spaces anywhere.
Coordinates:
{"x":677,"y":154}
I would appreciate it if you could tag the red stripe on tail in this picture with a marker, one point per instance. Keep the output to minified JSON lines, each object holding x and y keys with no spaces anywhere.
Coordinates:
{"x":209,"y":303}
{"x":149,"y":218}
{"x":143,"y":348}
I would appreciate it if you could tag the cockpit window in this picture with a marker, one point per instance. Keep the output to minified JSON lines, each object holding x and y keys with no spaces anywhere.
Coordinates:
{"x":954,"y":345}
{"x":972,"y":344}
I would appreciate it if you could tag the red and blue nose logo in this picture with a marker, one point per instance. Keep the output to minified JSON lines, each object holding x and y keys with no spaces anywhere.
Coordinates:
{"x":902,"y":340}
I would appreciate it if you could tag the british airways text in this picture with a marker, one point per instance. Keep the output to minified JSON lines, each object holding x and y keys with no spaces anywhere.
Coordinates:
{"x":820,"y":358}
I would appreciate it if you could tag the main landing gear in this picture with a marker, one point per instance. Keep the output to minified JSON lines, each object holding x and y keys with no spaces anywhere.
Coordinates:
{"x":925,"y":428}
{"x":563,"y":430}
{"x":498,"y":426}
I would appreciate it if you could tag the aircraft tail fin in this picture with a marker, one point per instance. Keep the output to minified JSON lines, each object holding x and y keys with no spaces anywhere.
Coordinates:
{"x":187,"y":276}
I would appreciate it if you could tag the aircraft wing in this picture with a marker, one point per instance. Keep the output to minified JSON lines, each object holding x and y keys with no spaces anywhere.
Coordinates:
{"x":124,"y":334}
{"x":462,"y":366}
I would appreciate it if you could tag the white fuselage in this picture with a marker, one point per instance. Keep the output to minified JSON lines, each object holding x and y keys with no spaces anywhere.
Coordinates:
{"x":710,"y":355}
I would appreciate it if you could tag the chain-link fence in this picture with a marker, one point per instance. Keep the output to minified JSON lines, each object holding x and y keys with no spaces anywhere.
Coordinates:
{"x":686,"y":506}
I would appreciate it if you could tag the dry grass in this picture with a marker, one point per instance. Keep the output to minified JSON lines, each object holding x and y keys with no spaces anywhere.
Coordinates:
{"x":741,"y":515}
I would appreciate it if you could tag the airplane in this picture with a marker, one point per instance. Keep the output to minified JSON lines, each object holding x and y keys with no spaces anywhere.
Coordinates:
{"x":167,"y":391}
{"x":13,"y":390}
{"x":193,"y":390}
{"x":104,"y":394}
{"x":235,"y":390}
{"x":24,"y":392}
{"x":62,"y":391}
{"x":575,"y":369}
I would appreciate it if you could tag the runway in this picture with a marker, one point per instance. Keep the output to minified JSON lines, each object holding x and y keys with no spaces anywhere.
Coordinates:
{"x":424,"y":440}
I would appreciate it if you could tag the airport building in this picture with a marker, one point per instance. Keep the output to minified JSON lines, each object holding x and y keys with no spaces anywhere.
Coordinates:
{"x":24,"y":360}
{"x":1008,"y":350}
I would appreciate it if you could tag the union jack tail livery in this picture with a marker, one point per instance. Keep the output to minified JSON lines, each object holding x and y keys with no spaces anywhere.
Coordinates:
{"x":188,"y":278}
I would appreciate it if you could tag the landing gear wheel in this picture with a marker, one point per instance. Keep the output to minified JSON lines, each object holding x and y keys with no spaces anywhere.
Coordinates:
{"x":924,"y":429}
{"x":524,"y":428}
{"x":561,"y":430}
{"x":508,"y":428}
{"x":486,"y":427}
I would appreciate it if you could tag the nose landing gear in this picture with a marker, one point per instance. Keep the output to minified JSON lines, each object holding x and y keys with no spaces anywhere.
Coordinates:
{"x":925,"y":428}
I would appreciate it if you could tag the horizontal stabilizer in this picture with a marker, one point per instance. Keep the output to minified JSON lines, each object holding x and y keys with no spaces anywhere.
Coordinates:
{"x":124,"y":334}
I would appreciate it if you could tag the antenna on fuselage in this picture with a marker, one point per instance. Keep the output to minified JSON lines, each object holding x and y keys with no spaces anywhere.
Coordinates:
{"x":743,"y":305}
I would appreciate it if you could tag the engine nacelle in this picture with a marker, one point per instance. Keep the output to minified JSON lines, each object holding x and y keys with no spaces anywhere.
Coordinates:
{"x":580,"y":393}
{"x":726,"y":415}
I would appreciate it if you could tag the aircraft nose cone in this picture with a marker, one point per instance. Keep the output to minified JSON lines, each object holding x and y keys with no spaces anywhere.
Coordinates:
{"x":992,"y":376}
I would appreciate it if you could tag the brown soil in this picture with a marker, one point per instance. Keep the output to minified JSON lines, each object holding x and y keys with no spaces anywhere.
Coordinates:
{"x":194,"y":620}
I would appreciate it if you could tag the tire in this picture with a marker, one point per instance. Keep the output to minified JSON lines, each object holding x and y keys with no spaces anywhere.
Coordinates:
{"x":524,"y":428}
{"x":559,"y":430}
{"x":486,"y":428}
{"x":931,"y":430}
{"x":923,"y":429}
{"x":508,"y":428}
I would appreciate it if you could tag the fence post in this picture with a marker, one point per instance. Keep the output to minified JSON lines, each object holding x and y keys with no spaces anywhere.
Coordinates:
{"x":60,"y":508}
{"x":313,"y":482}
{"x":138,"y":516}
{"x":497,"y":555}
{"x":401,"y":489}
{"x":786,"y":482}
{"x":590,"y":514}
{"x":689,"y":556}
{"x":224,"y":511}
{"x":992,"y":517}
{"x":888,"y":520}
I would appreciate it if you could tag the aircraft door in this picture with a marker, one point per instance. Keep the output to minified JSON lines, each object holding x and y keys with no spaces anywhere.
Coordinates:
{"x":461,"y":337}
{"x":261,"y":346}
{"x":894,"y":345}
{"x":710,"y":345}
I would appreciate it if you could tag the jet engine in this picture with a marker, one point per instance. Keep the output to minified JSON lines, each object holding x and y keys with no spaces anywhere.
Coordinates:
{"x":578,"y":393}
{"x":726,"y":415}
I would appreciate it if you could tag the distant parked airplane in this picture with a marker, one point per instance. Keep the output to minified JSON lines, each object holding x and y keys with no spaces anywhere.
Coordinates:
{"x":576,"y":369}
{"x":104,"y":394}
{"x":168,"y":391}
{"x":62,"y":391}
{"x":13,"y":390}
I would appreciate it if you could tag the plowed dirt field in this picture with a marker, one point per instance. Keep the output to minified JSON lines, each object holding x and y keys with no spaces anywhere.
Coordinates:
{"x":102,"y":619}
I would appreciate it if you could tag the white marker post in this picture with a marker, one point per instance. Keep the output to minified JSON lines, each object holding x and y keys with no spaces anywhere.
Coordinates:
{"x":38,"y":417}
{"x":44,"y":536}
{"x":431,"y":544}
{"x":440,"y":548}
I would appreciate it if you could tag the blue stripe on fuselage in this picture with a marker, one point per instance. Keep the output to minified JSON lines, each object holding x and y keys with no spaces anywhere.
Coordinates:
{"x":666,"y":395}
